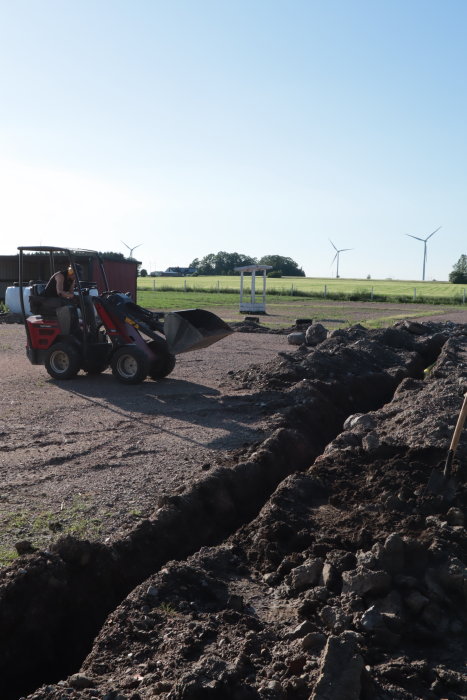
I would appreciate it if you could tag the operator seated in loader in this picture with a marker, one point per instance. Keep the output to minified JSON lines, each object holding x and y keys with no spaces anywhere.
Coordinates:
{"x":62,"y":284}
{"x":59,"y":292}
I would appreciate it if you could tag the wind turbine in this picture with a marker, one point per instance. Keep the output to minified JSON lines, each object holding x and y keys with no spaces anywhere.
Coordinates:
{"x":131,"y":249}
{"x":336,"y":257}
{"x":424,"y":240}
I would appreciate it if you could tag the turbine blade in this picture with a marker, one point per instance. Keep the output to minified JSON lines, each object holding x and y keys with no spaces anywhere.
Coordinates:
{"x":416,"y":237}
{"x":432,"y":234}
{"x":342,"y":249}
{"x":332,"y":244}
{"x":332,"y":262}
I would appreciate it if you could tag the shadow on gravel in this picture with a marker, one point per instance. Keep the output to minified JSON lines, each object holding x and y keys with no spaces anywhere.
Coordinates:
{"x":185,"y":402}
{"x":107,"y":388}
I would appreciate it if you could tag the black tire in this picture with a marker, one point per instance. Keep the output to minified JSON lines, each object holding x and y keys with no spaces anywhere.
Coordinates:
{"x":162,"y":366}
{"x":62,"y":361}
{"x":129,"y":365}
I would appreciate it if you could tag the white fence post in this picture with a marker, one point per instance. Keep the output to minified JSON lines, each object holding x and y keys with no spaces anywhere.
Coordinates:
{"x":325,"y":291}
{"x":414,"y":293}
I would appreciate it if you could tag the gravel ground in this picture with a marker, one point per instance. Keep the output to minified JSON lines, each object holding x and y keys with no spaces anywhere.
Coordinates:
{"x":90,"y":449}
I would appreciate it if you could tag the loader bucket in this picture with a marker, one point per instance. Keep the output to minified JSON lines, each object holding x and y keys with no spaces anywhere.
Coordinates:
{"x":193,"y":329}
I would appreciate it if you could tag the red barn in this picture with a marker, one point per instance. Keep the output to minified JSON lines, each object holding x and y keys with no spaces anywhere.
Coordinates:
{"x":121,"y":274}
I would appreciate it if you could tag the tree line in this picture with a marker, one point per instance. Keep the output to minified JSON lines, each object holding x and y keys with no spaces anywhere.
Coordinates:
{"x":223,"y":263}
{"x":459,"y":271}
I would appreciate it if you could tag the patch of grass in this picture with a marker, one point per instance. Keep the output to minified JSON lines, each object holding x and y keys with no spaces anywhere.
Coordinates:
{"x":385,"y":321}
{"x":43,"y":527}
{"x":7,"y":555}
{"x":177,"y":299}
{"x":135,"y":513}
{"x":167,"y":609}
{"x":17,"y":521}
{"x":77,"y":518}
{"x":43,"y":522}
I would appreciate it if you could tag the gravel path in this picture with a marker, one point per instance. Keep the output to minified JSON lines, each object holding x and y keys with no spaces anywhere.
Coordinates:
{"x":92,"y":451}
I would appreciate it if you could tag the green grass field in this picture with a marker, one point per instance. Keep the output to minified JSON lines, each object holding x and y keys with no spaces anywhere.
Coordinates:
{"x":325,"y":288}
{"x":288,"y":298}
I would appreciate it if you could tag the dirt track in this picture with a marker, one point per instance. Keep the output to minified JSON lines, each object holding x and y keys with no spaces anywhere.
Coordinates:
{"x":349,"y":583}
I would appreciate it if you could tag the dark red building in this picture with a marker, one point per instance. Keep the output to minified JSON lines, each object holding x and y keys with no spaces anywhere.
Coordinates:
{"x":121,"y":274}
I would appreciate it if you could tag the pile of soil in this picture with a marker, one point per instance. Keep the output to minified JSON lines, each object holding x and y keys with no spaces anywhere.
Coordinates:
{"x":318,"y":564}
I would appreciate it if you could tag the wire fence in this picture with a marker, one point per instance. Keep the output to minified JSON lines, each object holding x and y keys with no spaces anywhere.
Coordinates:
{"x":397,"y":292}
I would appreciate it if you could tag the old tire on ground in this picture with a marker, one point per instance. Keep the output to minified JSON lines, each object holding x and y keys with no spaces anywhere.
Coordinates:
{"x":62,"y":361}
{"x":129,"y":365}
{"x":162,"y":366}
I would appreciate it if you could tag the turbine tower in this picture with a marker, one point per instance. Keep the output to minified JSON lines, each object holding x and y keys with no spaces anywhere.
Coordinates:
{"x":424,"y":240}
{"x":131,"y":249}
{"x":336,"y":257}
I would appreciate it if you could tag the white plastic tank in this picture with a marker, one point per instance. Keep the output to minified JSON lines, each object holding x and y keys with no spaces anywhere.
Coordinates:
{"x":13,"y":301}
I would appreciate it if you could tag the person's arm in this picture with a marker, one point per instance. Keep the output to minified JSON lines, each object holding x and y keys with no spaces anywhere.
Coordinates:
{"x":60,"y":291}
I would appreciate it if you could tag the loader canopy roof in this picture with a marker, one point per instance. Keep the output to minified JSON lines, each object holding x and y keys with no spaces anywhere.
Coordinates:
{"x":58,"y":249}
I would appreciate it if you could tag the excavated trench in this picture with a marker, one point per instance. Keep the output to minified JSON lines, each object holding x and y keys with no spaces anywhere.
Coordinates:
{"x":53,"y":604}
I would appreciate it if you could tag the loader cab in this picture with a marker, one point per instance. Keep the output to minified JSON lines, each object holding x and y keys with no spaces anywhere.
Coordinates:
{"x":47,"y":322}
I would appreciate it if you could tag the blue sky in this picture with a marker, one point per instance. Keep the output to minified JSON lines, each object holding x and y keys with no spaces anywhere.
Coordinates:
{"x":259,"y":126}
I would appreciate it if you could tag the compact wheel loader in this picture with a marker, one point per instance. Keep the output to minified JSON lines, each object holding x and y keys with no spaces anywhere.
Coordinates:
{"x":101,"y":329}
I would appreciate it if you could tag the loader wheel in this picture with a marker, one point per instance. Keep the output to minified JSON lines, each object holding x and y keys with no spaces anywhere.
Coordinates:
{"x":129,"y":365}
{"x":162,"y":366}
{"x":62,"y":361}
